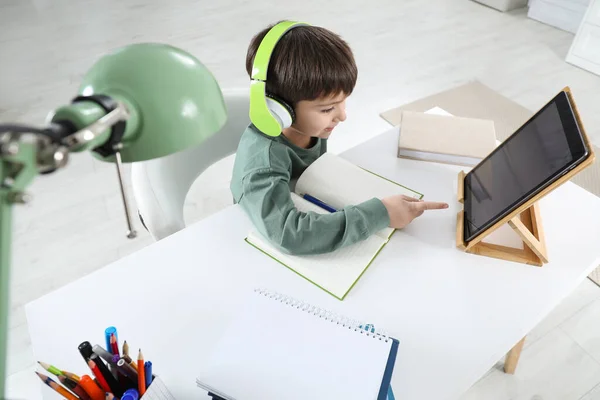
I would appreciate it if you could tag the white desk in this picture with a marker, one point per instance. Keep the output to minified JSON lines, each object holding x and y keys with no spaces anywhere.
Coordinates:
{"x":455,"y":314}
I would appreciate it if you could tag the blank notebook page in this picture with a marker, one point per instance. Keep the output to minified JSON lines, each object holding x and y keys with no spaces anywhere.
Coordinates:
{"x":275,"y":350}
{"x":336,"y":271}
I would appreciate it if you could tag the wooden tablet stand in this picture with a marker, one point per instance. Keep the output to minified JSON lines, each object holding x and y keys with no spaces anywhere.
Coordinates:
{"x":525,"y":220}
{"x":527,"y":224}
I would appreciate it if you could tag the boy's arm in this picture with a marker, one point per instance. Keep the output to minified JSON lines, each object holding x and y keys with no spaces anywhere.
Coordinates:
{"x":268,"y":203}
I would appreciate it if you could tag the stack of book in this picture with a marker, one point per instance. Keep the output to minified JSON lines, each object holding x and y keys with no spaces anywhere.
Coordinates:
{"x":440,"y":137}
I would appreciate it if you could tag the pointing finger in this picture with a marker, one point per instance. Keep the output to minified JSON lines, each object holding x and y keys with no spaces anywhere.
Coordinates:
{"x":430,"y":205}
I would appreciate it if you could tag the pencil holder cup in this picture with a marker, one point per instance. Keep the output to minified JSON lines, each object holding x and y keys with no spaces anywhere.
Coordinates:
{"x":157,"y":391}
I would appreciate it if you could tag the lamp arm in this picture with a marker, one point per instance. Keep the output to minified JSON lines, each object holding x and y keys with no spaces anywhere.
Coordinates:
{"x":26,"y":152}
{"x":5,"y":237}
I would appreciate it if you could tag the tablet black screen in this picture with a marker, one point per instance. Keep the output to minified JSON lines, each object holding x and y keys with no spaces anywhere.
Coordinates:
{"x":548,"y":145}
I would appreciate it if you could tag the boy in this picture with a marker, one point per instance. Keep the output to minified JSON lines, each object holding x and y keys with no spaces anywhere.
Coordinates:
{"x":313,"y":70}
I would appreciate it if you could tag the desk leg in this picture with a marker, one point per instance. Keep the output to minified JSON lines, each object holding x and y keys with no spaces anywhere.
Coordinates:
{"x":512,"y":357}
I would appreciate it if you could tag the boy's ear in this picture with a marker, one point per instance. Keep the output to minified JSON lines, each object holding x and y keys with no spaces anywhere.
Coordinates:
{"x":283,"y":110}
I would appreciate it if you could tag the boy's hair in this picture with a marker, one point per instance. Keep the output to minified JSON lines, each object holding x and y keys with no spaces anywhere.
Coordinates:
{"x":308,"y":62}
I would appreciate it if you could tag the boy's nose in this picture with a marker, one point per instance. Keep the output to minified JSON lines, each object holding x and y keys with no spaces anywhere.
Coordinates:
{"x":342,"y":114}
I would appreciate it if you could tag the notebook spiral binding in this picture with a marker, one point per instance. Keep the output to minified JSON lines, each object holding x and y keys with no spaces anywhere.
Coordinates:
{"x":345,"y":322}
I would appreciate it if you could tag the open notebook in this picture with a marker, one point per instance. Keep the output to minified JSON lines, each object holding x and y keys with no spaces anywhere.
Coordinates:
{"x":338,"y":183}
{"x":278,"y":347}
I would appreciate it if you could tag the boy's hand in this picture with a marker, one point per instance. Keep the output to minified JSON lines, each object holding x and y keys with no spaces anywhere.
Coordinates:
{"x":403,"y":209}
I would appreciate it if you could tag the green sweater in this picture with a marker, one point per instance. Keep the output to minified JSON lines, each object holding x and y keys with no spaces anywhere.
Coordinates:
{"x":264,"y":174}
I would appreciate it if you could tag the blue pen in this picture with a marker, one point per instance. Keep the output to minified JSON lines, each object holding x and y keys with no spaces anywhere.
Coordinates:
{"x":130,"y":394}
{"x":148,"y":372}
{"x":319,"y":203}
{"x":109,"y":331}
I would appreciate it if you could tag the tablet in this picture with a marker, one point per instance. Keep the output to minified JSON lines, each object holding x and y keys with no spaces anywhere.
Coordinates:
{"x":546,"y":147}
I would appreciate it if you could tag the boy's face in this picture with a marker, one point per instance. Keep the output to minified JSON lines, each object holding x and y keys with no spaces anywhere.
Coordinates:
{"x":317,"y":118}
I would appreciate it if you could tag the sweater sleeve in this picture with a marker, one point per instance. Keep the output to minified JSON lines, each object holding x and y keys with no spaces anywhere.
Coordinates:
{"x":267,"y":201}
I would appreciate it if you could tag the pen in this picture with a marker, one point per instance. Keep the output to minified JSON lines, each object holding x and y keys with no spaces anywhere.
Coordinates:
{"x":127,"y":370}
{"x":319,"y":203}
{"x":85,"y":349}
{"x":105,"y":355}
{"x":148,"y":373}
{"x":131,"y":394}
{"x":108,"y":332}
{"x":127,"y":375}
{"x":113,"y":366}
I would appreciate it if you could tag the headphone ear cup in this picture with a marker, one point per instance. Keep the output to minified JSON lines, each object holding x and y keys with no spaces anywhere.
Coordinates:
{"x":281,"y":111}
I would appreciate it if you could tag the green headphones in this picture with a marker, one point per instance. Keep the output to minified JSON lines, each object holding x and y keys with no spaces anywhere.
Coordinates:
{"x":268,"y":113}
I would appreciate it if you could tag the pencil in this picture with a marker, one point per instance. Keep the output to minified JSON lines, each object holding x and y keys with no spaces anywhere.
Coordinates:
{"x":99,"y":377}
{"x":71,"y":375}
{"x":141,"y":374}
{"x":51,"y":368}
{"x":130,"y":362}
{"x":91,"y":388}
{"x":125,"y":349}
{"x":56,"y":387}
{"x":110,"y":380}
{"x":114,"y":345}
{"x":74,"y":387}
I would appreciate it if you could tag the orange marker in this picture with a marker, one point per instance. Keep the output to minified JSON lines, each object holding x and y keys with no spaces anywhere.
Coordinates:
{"x":57,"y":388}
{"x":91,"y":388}
{"x":141,"y":374}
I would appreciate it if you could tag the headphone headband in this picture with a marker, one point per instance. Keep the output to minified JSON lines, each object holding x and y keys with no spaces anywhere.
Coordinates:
{"x":266,"y":47}
{"x":260,"y":114}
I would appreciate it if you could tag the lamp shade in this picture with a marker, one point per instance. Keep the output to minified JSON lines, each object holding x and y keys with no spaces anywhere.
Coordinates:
{"x":174,"y":100}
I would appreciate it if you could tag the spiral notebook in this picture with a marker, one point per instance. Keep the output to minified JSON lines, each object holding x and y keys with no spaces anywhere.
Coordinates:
{"x":278,"y":347}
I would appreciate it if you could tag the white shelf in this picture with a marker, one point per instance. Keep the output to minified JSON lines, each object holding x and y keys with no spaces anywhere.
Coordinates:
{"x":585,"y":50}
{"x":563,"y":14}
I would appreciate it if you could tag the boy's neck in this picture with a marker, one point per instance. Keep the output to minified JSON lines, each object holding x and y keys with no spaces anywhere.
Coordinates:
{"x":298,"y":138}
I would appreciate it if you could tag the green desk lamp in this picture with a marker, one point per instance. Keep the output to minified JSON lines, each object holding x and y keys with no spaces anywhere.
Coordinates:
{"x":140,"y":102}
